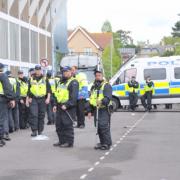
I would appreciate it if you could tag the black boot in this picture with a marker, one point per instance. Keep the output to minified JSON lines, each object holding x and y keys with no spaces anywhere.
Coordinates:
{"x":2,"y":143}
{"x":6,"y":137}
{"x":34,"y":134}
{"x":66,"y":145}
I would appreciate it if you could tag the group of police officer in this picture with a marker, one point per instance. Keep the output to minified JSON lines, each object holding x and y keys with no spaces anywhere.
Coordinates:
{"x":24,"y":102}
{"x":146,"y":98}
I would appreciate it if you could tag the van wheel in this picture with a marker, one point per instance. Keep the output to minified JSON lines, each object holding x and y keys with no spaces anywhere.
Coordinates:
{"x":115,"y":104}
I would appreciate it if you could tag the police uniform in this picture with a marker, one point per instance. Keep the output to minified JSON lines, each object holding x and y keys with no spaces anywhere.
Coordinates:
{"x":82,"y":96}
{"x":50,"y":114}
{"x":38,"y":89}
{"x":66,"y":94}
{"x":148,"y":88}
{"x":102,"y":91}
{"x":6,"y":95}
{"x":133,"y":87}
{"x":23,"y":118}
{"x":15,"y":110}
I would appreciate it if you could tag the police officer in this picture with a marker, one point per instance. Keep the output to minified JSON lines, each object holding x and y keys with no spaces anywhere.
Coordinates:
{"x":38,"y":97}
{"x":7,"y":96}
{"x":23,"y":83}
{"x":51,"y":115}
{"x":100,"y":99}
{"x":13,"y":113}
{"x":66,"y":99}
{"x":148,"y":88}
{"x":82,"y":96}
{"x":133,"y":87}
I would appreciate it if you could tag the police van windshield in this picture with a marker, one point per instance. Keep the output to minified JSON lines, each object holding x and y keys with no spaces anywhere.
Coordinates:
{"x":79,"y":61}
{"x":89,"y":74}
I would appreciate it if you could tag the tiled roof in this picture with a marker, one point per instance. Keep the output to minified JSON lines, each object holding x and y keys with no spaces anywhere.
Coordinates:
{"x":102,"y":39}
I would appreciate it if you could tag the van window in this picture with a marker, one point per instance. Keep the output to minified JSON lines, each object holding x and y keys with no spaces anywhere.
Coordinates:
{"x":120,"y":79}
{"x":129,"y":73}
{"x":177,"y":73}
{"x":155,"y":73}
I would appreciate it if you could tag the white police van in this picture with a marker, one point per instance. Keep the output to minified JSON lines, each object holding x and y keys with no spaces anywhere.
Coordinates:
{"x":164,"y":71}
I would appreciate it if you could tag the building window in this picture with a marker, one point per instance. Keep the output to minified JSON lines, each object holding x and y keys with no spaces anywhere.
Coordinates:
{"x":14,"y":42}
{"x":71,"y":51}
{"x":34,"y":47}
{"x":155,"y":73}
{"x":88,"y":51}
{"x":3,"y":39}
{"x":24,"y":44}
{"x":177,"y":73}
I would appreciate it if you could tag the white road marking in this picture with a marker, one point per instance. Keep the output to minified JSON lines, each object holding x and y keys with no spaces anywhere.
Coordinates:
{"x":101,"y":158}
{"x":83,"y":176}
{"x":115,"y":145}
{"x":90,"y":169}
{"x":96,"y":163}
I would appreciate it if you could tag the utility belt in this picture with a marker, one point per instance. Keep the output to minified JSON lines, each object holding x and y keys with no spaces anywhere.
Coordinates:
{"x":38,"y":97}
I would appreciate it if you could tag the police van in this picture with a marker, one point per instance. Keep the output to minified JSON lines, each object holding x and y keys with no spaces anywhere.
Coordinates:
{"x":164,"y":71}
{"x":86,"y":63}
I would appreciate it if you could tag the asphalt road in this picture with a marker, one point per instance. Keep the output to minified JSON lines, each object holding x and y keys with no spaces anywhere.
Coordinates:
{"x":146,"y":146}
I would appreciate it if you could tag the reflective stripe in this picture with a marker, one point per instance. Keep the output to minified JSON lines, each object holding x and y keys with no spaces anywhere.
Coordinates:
{"x":1,"y":89}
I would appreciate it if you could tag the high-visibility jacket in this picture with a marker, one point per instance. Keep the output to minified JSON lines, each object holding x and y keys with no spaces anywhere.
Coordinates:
{"x":13,"y":83}
{"x":133,"y":89}
{"x":1,"y":89}
{"x":38,"y":88}
{"x":97,"y":95}
{"x":23,"y":88}
{"x":52,"y":83}
{"x":83,"y":86}
{"x":147,"y":88}
{"x":62,"y":92}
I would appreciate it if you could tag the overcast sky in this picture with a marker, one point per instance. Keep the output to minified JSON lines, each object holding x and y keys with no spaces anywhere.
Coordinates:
{"x":146,"y":19}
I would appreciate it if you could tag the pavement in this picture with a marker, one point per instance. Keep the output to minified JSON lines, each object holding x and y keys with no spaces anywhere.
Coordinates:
{"x":146,"y":146}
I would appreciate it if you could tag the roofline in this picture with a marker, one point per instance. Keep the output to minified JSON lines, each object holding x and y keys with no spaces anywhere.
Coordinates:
{"x":90,"y":39}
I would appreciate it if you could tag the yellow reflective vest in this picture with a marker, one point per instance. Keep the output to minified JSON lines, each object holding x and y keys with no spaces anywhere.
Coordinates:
{"x":1,"y":89}
{"x":147,"y":88}
{"x":62,"y":92}
{"x":13,"y":83}
{"x":23,"y":88}
{"x":95,"y":96}
{"x":38,"y":88}
{"x":83,"y":85}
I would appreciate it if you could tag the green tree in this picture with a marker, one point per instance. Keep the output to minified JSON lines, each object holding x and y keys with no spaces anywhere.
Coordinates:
{"x":125,"y":37}
{"x":106,"y":27}
{"x":116,"y":57}
{"x":176,"y":29}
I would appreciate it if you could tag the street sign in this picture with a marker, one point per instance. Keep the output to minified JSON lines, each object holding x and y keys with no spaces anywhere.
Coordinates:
{"x":44,"y":62}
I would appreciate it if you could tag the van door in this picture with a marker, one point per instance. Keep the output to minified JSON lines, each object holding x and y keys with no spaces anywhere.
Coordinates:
{"x":175,"y":83}
{"x":160,"y":77}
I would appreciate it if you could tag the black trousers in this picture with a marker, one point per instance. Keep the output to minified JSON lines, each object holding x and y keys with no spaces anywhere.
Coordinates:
{"x":3,"y":115}
{"x":147,"y":97}
{"x":37,"y":114}
{"x":15,"y":115}
{"x":23,"y":115}
{"x":80,"y":112}
{"x":64,"y":126}
{"x":103,"y":125}
{"x":50,"y":114}
{"x":133,"y":98}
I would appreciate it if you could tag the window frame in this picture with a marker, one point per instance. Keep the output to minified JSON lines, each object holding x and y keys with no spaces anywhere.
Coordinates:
{"x":155,"y":69}
{"x":175,"y":73}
